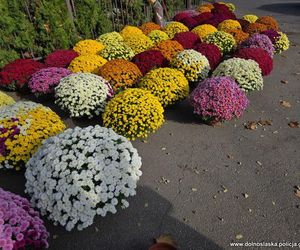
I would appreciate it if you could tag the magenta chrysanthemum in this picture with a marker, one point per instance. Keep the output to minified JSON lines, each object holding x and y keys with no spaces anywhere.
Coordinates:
{"x":272,"y":34}
{"x":203,"y":17}
{"x":259,"y":41}
{"x":187,"y":39}
{"x":149,"y":59}
{"x":212,"y":53}
{"x":259,"y":55}
{"x":189,"y":22}
{"x":45,"y":80}
{"x":20,"y":225}
{"x":60,"y":58}
{"x":218,"y":99}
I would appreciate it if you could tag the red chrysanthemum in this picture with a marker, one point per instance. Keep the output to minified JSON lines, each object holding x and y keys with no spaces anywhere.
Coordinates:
{"x":259,"y":55}
{"x":60,"y":58}
{"x":149,"y":59}
{"x":187,"y":39}
{"x":17,"y":73}
{"x":212,"y":53}
{"x":180,"y":16}
{"x":189,"y":22}
{"x":243,"y":23}
{"x":203,"y":17}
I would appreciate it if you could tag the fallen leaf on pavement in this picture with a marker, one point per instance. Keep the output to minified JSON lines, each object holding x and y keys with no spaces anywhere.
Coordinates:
{"x":284,"y":81}
{"x":297,"y":193}
{"x":285,"y":104}
{"x":294,"y":124}
{"x":251,"y":125}
{"x":265,"y":122}
{"x":259,"y":163}
{"x":239,"y":236}
{"x":194,"y":189}
{"x":246,"y":195}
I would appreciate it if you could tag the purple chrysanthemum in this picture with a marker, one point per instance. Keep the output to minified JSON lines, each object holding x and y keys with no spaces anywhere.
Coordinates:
{"x":259,"y":41}
{"x":20,"y":225}
{"x":272,"y":34}
{"x":45,"y":80}
{"x":218,"y":99}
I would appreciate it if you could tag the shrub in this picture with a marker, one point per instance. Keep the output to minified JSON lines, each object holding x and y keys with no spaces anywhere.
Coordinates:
{"x":117,"y":51}
{"x":88,"y":169}
{"x":192,"y":64}
{"x":149,"y":59}
{"x":253,"y":28}
{"x":21,"y":225}
{"x":83,"y":94}
{"x":120,"y":73}
{"x":168,"y":85}
{"x":229,"y":24}
{"x":259,"y":41}
{"x":139,"y":43}
{"x":88,"y":46}
{"x":211,"y":52}
{"x":203,"y":30}
{"x":282,"y":43}
{"x":134,"y":113}
{"x":218,"y":99}
{"x":5,"y":99}
{"x":174,"y":27}
{"x":60,"y":58}
{"x":260,"y":56}
{"x":24,"y":125}
{"x":157,"y":36}
{"x":16,"y":74}
{"x":246,"y":73}
{"x":87,"y":64}
{"x":169,"y":48}
{"x":45,"y":80}
{"x":269,"y":21}
{"x":250,"y":18}
{"x":110,"y":38}
{"x":223,"y":40}
{"x":146,"y":28}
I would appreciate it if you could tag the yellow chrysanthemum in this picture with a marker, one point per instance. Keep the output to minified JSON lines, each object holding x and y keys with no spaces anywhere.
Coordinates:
{"x":229,"y":24}
{"x":5,"y":99}
{"x":88,"y":46}
{"x":87,"y":64}
{"x":139,"y":43}
{"x":168,"y":85}
{"x":203,"y":9}
{"x":173,"y":28}
{"x":250,"y":18}
{"x":129,"y":31}
{"x":157,"y":36}
{"x":134,"y":113}
{"x":110,"y":38}
{"x":203,"y":30}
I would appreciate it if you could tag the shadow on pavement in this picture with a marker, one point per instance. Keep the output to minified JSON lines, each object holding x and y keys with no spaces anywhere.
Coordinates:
{"x":284,"y":8}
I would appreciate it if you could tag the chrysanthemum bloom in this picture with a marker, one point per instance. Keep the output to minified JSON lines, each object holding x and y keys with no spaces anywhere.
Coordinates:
{"x":148,"y":27}
{"x":246,"y":73}
{"x":229,"y":24}
{"x":118,"y":50}
{"x":168,"y":85}
{"x":203,"y":9}
{"x":45,"y":80}
{"x":169,"y":48}
{"x":88,"y":46}
{"x":189,"y":22}
{"x":134,"y":113}
{"x":192,"y":64}
{"x":120,"y":73}
{"x":253,"y":28}
{"x":207,"y":5}
{"x":149,"y":59}
{"x":91,"y":171}
{"x":250,"y":18}
{"x":243,"y":23}
{"x":282,"y":43}
{"x":139,"y":43}
{"x":239,"y":35}
{"x":259,"y":55}
{"x":157,"y":36}
{"x":211,"y":52}
{"x":223,"y":40}
{"x":5,"y":99}
{"x":87,"y":64}
{"x":203,"y":30}
{"x":174,"y":27}
{"x":16,"y":74}
{"x":259,"y":41}
{"x":110,"y":38}
{"x":218,"y":99}
{"x":21,"y":226}
{"x":272,"y":34}
{"x":187,"y":39}
{"x":269,"y":21}
{"x":202,"y":18}
{"x":129,"y":31}
{"x":60,"y":58}
{"x":180,"y":16}
{"x":23,"y":126}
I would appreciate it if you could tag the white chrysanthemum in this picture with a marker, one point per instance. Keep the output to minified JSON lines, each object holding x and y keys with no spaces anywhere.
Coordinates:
{"x":193,"y":64}
{"x":83,"y":94}
{"x":246,"y":73}
{"x":81,"y":173}
{"x":17,"y":108}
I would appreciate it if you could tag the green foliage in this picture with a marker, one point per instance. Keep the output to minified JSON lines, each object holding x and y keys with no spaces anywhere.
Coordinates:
{"x":7,"y":56}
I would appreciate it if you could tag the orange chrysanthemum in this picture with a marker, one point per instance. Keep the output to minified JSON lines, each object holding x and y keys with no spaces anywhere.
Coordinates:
{"x":169,"y":48}
{"x":269,"y":21}
{"x":238,"y":35}
{"x":252,"y":28}
{"x":148,"y":27}
{"x":120,"y":73}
